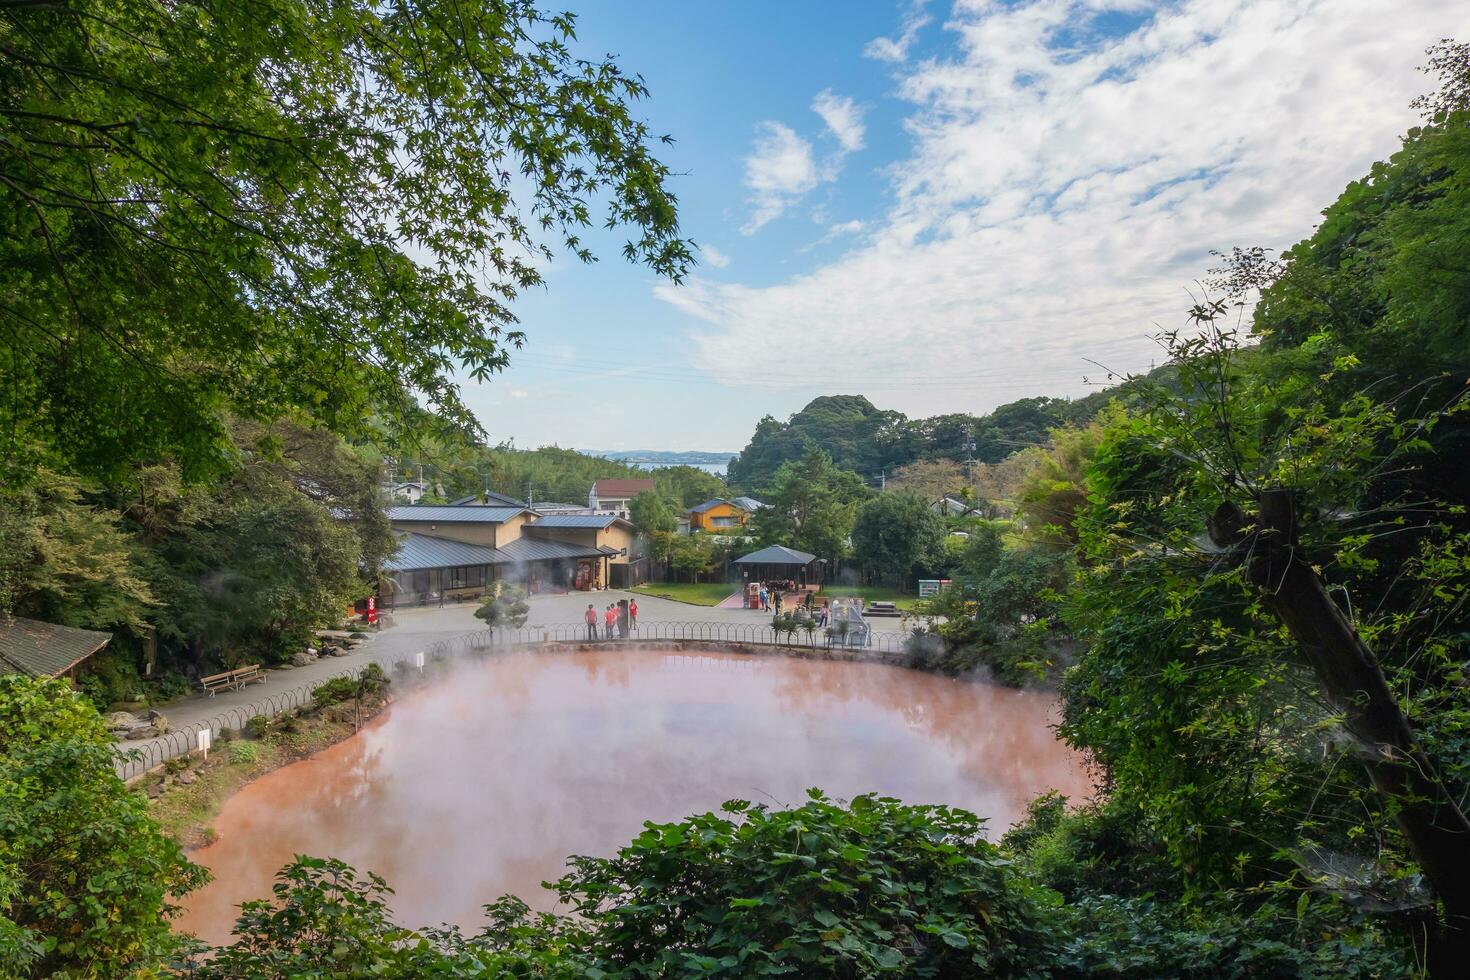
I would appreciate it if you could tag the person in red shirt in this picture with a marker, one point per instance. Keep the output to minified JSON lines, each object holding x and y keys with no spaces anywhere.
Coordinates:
{"x":610,"y":618}
{"x":591,"y":617}
{"x":633,"y":613}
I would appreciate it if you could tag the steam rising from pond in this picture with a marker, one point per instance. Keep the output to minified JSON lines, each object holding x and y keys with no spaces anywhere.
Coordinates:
{"x":484,"y":782}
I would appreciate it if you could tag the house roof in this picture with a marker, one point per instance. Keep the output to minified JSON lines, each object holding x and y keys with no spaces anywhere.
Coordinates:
{"x":423,"y":551}
{"x":445,"y":514}
{"x":545,"y":549}
{"x":420,"y":551}
{"x":777,"y":555}
{"x":29,"y":646}
{"x":621,"y":487}
{"x":747,"y":504}
{"x":598,"y":521}
{"x":487,"y":498}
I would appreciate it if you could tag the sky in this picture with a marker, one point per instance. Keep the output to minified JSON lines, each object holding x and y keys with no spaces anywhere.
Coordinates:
{"x":945,"y":206}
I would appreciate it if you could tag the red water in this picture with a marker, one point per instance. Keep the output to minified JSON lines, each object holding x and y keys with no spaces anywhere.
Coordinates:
{"x":483,"y":783}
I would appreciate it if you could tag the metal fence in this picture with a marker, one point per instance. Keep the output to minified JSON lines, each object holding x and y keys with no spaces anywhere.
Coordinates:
{"x":134,"y":760}
{"x":717,"y":632}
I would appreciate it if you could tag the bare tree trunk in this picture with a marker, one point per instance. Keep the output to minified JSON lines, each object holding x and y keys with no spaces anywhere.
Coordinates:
{"x":1348,"y":673}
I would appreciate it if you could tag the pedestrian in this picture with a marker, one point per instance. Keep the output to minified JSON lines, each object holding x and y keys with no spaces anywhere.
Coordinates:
{"x":778,"y":603}
{"x":765,"y":598}
{"x":609,"y":618}
{"x":633,"y":613}
{"x":591,"y":617}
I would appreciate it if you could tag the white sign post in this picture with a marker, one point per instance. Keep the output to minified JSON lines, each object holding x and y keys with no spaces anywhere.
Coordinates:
{"x":418,"y":661}
{"x":206,"y":736}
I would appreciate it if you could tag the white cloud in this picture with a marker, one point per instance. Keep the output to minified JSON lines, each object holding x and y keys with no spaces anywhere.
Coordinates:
{"x":896,"y":49}
{"x":782,"y":166}
{"x":780,"y":169}
{"x":1065,"y":189}
{"x":835,"y":231}
{"x":713,"y":257}
{"x":843,"y":117}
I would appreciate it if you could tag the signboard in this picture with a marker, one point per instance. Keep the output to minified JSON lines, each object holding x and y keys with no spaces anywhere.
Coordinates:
{"x":932,"y":586}
{"x":372,"y":612}
{"x":418,"y":660}
{"x":206,"y":737}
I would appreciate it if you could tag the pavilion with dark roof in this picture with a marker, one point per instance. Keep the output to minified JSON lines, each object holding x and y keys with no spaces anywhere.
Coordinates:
{"x":777,"y":562}
{"x":37,"y":649}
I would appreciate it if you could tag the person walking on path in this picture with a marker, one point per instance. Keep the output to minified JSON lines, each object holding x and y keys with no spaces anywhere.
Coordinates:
{"x":633,"y":613}
{"x":609,"y":618}
{"x":591,"y":617}
{"x":778,"y":603}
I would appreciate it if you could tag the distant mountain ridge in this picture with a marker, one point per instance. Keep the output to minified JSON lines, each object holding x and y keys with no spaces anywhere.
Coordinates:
{"x":873,"y":442}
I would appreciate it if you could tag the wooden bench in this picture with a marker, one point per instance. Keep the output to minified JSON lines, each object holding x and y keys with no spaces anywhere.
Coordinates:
{"x":234,"y":679}
{"x":214,"y":682}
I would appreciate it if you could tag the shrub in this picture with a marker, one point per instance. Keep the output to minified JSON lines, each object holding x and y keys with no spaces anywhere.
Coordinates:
{"x":370,"y":684}
{"x":244,"y":753}
{"x":505,"y":606}
{"x":86,"y":877}
{"x":823,"y":889}
{"x":258,"y":726}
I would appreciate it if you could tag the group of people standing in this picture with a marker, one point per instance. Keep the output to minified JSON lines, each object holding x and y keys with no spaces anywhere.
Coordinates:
{"x":771,"y":599}
{"x":616,"y":616}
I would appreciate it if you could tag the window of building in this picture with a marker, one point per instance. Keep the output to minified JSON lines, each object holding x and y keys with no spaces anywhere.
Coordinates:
{"x":725,"y":521}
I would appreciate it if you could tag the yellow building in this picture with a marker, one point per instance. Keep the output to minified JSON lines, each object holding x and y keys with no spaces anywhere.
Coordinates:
{"x":722,"y":515}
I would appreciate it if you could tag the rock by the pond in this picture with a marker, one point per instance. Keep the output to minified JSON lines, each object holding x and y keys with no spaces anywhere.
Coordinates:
{"x":158,"y":721}
{"x":142,"y":732}
{"x":155,"y":791}
{"x":303,"y":657}
{"x":186,"y":778}
{"x":120,"y":720}
{"x":337,"y":652}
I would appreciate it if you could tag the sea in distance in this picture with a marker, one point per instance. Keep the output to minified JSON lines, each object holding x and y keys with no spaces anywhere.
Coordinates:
{"x":652,"y":459}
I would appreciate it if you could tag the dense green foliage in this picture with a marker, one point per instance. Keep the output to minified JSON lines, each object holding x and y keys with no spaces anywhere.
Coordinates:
{"x":810,"y":505}
{"x":873,"y":442}
{"x":86,"y":878}
{"x":305,"y":207}
{"x":897,"y":537}
{"x":239,"y":569}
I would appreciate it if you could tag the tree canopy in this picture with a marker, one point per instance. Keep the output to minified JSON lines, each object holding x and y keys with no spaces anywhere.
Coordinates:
{"x":305,"y":207}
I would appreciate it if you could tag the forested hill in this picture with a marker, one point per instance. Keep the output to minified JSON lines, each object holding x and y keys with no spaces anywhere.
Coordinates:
{"x":861,"y":437}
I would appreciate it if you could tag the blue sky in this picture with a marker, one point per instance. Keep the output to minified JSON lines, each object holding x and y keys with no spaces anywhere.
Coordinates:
{"x":945,"y":206}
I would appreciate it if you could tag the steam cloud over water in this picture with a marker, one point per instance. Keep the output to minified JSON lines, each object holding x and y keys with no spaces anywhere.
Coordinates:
{"x":483,"y":783}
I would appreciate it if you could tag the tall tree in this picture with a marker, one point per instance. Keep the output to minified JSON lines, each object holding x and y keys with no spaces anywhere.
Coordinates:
{"x":311,"y":206}
{"x":811,"y":503}
{"x":898,"y":535}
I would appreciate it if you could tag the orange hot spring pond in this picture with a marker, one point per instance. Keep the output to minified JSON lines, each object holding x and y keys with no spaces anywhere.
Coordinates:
{"x":483,"y":782}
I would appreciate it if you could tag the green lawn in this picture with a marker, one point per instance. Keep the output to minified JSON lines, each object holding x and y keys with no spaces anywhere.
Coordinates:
{"x":700,"y":594}
{"x":869,"y":593}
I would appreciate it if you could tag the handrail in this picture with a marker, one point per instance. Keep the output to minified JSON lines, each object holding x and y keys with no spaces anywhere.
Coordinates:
{"x":134,"y":760}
